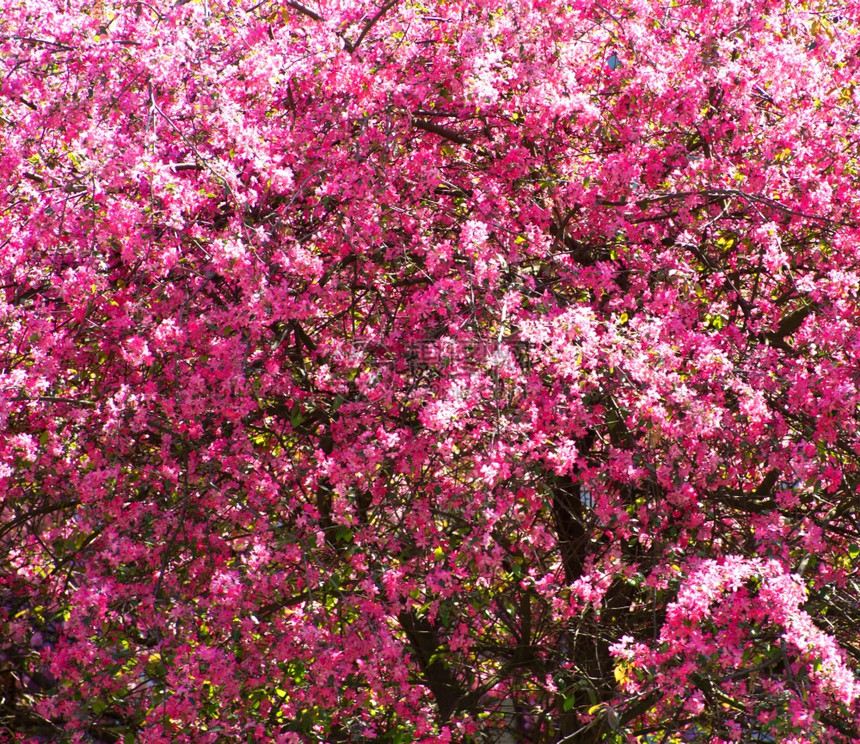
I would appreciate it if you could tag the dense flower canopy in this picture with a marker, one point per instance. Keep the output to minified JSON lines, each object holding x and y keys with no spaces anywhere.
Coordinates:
{"x":429,"y":370}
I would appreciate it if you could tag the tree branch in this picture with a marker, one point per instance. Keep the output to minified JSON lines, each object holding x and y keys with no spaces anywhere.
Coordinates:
{"x":298,"y":7}
{"x":444,"y":132}
{"x":351,"y":47}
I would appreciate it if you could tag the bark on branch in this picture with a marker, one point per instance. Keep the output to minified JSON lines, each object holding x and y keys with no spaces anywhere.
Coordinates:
{"x":444,"y":132}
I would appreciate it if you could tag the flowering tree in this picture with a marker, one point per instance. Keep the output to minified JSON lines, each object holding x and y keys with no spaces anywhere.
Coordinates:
{"x":426,"y":370}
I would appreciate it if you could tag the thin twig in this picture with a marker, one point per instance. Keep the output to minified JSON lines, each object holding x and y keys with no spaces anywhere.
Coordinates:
{"x":34,"y":40}
{"x":351,"y":47}
{"x":188,"y":142}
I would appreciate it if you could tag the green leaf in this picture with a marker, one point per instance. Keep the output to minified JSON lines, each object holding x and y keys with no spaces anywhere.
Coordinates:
{"x":99,"y":706}
{"x":568,"y":703}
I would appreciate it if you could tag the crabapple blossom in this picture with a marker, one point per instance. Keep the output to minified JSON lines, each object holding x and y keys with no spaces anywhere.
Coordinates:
{"x":429,"y":371}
